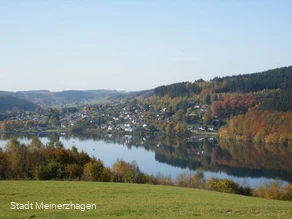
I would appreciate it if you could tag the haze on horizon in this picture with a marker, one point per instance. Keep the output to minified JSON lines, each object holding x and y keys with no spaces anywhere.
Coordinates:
{"x":137,"y":45}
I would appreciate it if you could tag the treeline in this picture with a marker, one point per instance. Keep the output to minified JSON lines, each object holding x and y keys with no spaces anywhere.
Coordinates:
{"x":53,"y":161}
{"x":280,"y":101}
{"x":260,"y":126}
{"x":11,"y":125}
{"x":268,"y":80}
{"x":235,"y":105}
{"x":271,"y":79}
{"x":177,"y":90}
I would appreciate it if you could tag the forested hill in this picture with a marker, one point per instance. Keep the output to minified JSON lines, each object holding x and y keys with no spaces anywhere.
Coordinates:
{"x":272,"y":79}
{"x":9,"y":102}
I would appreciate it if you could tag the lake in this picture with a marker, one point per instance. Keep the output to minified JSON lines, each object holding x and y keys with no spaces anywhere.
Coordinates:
{"x":244,"y":163}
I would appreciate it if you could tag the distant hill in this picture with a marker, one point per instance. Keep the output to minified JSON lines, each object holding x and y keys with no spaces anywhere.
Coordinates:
{"x":125,"y":96}
{"x":45,"y":98}
{"x":8,"y":102}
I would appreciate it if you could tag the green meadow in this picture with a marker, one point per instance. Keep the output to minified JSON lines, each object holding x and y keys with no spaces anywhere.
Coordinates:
{"x":122,"y":200}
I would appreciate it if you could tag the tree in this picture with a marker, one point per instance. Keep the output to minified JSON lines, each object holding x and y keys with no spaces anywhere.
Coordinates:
{"x":169,"y":130}
{"x":93,"y":170}
{"x":179,"y":130}
{"x":39,"y":110}
{"x":16,"y":157}
{"x":207,"y":99}
{"x":126,"y":172}
{"x":178,"y":116}
{"x":207,"y":118}
{"x":30,"y":123}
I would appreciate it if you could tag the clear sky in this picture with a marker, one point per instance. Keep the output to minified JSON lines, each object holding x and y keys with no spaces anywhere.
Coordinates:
{"x":136,"y":44}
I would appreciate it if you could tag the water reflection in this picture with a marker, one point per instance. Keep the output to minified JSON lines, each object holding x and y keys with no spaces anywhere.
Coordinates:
{"x":236,"y":159}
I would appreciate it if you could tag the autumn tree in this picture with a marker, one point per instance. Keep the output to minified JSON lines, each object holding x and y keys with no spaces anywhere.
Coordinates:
{"x":169,"y":130}
{"x":179,"y":130}
{"x":126,"y":172}
{"x":93,"y":170}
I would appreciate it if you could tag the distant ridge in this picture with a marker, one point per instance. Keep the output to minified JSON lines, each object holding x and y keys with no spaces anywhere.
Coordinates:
{"x":8,"y":102}
{"x":279,"y":78}
{"x":45,"y":98}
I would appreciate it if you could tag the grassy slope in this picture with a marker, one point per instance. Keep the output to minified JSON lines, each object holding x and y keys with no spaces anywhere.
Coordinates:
{"x":116,"y":200}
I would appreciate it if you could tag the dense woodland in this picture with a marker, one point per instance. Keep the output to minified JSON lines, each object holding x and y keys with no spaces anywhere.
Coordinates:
{"x":235,"y":105}
{"x":260,"y":126}
{"x":280,"y":101}
{"x":271,"y":79}
{"x":177,"y":90}
{"x":268,"y":80}
{"x":257,"y":107}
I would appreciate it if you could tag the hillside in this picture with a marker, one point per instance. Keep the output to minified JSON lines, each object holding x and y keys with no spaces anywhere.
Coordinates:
{"x":279,"y":78}
{"x":116,"y":200}
{"x":46,"y":98}
{"x":9,"y":102}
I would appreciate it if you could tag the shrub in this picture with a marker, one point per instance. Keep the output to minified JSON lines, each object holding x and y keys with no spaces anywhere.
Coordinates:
{"x":162,"y":180}
{"x":245,"y":190}
{"x":223,"y":185}
{"x":107,"y":175}
{"x":73,"y":171}
{"x":93,"y":170}
{"x":148,"y":179}
{"x":269,"y":190}
{"x":52,"y":170}
{"x":126,"y":172}
{"x":191,"y":180}
{"x":182,"y":180}
{"x":166,"y":181}
{"x":287,"y":193}
{"x":273,"y":191}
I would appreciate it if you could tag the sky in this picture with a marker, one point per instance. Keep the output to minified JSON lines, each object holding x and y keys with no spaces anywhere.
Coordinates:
{"x":136,"y":45}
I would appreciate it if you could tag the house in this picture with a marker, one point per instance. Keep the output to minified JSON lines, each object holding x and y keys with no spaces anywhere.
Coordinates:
{"x":42,"y":127}
{"x":103,"y":126}
{"x":193,"y":113}
{"x":120,"y":127}
{"x":211,"y":128}
{"x":131,"y":129}
{"x":127,"y":125}
{"x":201,"y":128}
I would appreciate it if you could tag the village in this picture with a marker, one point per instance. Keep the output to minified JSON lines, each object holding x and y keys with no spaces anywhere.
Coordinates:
{"x":122,"y":117}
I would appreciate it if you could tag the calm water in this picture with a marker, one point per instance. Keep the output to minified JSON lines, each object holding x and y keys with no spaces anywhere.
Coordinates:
{"x":245,"y":164}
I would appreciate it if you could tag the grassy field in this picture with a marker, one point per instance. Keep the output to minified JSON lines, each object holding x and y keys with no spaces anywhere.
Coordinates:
{"x":115,"y":200}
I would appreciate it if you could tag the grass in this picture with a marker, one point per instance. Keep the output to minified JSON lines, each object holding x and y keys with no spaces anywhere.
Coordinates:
{"x":116,"y":200}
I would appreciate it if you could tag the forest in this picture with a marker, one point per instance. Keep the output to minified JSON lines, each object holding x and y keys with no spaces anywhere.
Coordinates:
{"x":268,"y":80}
{"x":260,"y":126}
{"x":251,"y":107}
{"x":280,"y":101}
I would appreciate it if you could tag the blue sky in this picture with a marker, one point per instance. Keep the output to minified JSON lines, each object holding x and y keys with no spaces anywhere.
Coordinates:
{"x":136,"y":45}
